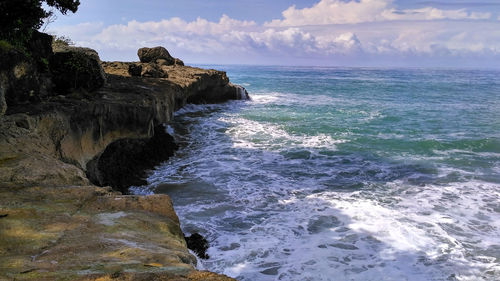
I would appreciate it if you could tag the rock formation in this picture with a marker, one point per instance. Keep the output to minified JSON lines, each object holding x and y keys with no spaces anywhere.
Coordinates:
{"x":58,"y":136}
{"x":76,"y":68}
{"x":158,"y":55}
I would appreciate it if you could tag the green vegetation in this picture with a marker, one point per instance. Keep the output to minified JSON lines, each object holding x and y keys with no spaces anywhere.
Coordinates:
{"x":21,"y":17}
{"x":62,"y":41}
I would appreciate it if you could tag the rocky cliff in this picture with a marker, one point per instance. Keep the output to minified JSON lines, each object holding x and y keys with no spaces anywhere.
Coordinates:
{"x":67,"y":127}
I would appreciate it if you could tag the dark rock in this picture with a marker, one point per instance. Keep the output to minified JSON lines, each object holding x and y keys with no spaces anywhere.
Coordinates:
{"x":3,"y":103}
{"x":135,"y":69}
{"x":152,"y":54}
{"x":40,"y":46}
{"x":178,"y":62}
{"x":197,"y":244}
{"x":153,"y":70}
{"x":219,"y":93}
{"x":24,"y":75}
{"x":162,"y":62}
{"x":76,"y":68}
{"x":124,"y":162}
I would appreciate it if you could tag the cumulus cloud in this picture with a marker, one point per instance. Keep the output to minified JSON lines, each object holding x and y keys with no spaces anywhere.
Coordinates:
{"x":331,"y":30}
{"x":353,"y":12}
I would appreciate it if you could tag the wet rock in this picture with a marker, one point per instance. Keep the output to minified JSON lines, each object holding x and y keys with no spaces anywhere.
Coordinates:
{"x":160,"y":276}
{"x":197,"y":244}
{"x":76,"y":68}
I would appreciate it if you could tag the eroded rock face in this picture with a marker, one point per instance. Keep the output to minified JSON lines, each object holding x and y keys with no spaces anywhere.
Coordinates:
{"x":76,"y":68}
{"x":55,"y":225}
{"x":125,"y":161}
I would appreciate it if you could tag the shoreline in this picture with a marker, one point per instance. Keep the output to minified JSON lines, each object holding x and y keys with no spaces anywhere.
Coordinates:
{"x":56,"y":150}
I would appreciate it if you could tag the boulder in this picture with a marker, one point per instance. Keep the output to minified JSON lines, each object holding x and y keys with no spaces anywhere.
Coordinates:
{"x":197,"y":244}
{"x":153,"y":54}
{"x":76,"y":68}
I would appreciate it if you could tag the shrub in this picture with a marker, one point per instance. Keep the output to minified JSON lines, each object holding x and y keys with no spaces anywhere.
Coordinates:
{"x":21,"y":17}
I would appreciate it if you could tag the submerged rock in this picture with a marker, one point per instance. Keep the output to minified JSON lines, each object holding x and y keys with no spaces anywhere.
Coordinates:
{"x":197,"y":244}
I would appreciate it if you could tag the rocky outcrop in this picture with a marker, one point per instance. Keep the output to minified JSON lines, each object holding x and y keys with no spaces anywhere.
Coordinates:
{"x":55,"y":224}
{"x":76,"y":68}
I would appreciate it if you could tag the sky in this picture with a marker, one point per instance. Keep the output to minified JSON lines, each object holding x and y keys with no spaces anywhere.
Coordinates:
{"x":370,"y":33}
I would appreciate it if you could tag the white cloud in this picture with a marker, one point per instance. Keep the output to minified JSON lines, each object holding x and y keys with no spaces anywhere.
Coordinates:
{"x":371,"y":29}
{"x":353,"y":12}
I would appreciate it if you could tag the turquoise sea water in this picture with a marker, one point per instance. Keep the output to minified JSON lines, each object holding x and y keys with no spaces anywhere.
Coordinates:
{"x":343,"y":174}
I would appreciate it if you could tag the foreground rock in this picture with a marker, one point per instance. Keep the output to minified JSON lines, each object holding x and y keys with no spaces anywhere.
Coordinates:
{"x":56,"y":143}
{"x":87,"y":233}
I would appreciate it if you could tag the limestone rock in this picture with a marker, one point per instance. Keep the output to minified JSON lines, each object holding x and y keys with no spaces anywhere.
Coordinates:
{"x":67,"y":233}
{"x":76,"y":68}
{"x":54,"y":225}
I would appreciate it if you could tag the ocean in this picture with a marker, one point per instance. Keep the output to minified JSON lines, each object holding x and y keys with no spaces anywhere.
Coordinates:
{"x":343,"y":174}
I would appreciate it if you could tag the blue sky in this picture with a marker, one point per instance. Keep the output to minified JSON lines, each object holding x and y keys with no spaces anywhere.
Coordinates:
{"x":413,"y":33}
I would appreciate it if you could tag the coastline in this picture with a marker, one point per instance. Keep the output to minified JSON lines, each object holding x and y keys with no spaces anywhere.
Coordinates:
{"x":56,"y":150}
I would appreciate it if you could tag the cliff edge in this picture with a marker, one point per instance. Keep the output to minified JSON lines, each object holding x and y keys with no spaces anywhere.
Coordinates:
{"x":75,"y":132}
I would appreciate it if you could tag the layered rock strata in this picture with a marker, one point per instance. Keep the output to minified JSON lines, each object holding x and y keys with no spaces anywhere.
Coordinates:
{"x":58,"y":140}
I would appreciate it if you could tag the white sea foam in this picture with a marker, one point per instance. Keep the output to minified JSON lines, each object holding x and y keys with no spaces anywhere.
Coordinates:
{"x":272,"y":216}
{"x":357,"y":236}
{"x":251,"y":134}
{"x":278,"y":98}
